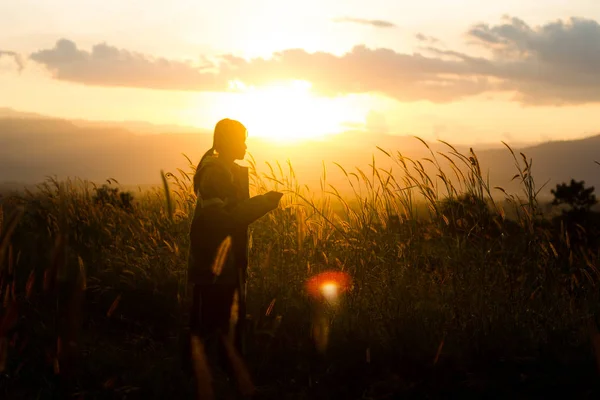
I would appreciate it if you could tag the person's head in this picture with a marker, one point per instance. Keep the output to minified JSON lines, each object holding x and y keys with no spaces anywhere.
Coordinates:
{"x":229,"y":139}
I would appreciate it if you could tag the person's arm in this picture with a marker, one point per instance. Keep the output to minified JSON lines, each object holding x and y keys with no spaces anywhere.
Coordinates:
{"x":214,"y":183}
{"x":252,"y":209}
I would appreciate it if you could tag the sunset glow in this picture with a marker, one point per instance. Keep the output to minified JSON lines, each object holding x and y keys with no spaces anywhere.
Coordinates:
{"x":468,"y":73}
{"x":286,"y":111}
{"x":322,"y":199}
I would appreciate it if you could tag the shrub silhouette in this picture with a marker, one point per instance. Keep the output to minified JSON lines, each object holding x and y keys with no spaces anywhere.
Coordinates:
{"x":465,"y":213}
{"x":112,"y":196}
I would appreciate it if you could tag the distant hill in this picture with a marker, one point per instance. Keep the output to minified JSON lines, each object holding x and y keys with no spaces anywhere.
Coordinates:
{"x":33,"y":147}
{"x":10,"y":113}
{"x":134,"y":126}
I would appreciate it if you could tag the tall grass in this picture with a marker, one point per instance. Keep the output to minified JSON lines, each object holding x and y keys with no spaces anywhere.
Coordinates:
{"x":443,"y":278}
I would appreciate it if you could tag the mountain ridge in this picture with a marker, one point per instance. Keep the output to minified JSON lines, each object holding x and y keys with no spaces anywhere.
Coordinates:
{"x":33,"y":147}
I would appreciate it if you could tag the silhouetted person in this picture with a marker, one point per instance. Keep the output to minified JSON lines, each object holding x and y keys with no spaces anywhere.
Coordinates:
{"x":224,"y":208}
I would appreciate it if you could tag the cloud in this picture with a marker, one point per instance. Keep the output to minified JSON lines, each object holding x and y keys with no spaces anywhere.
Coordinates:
{"x":106,"y":65}
{"x":557,"y":63}
{"x":377,"y":23}
{"x":428,"y":39}
{"x":400,"y":76}
{"x":15,"y":56}
{"x":362,"y":70}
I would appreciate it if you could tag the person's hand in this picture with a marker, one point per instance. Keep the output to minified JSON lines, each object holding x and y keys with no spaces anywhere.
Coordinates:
{"x":273,"y":198}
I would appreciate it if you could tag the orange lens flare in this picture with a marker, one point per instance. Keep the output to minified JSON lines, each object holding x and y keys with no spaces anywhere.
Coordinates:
{"x":328,"y":284}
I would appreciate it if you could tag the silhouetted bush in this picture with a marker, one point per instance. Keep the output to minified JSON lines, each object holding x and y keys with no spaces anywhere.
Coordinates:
{"x":114,"y":197}
{"x":465,"y":213}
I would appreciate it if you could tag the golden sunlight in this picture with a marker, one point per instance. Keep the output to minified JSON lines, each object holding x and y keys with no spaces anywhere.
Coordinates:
{"x":286,"y":111}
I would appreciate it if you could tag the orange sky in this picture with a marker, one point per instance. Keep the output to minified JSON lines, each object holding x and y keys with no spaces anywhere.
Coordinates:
{"x":469,"y":72}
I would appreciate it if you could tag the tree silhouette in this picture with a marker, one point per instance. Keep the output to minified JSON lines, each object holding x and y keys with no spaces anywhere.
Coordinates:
{"x":575,"y":195}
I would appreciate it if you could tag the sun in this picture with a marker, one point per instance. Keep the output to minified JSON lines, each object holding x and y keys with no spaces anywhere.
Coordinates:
{"x":286,"y":111}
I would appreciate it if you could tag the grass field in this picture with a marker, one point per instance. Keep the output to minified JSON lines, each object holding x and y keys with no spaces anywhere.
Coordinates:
{"x":454,"y":293}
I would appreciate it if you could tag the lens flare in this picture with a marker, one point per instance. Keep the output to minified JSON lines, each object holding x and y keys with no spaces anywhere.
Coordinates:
{"x":328,"y":285}
{"x":325,"y":289}
{"x":329,"y":290}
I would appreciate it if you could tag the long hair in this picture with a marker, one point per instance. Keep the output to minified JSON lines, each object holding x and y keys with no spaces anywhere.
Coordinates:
{"x":222,"y":135}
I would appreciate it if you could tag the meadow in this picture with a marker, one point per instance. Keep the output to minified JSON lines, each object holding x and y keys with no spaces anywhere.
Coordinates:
{"x":454,"y":291}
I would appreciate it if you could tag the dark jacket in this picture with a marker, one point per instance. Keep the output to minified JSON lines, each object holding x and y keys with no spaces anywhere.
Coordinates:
{"x":224,"y":208}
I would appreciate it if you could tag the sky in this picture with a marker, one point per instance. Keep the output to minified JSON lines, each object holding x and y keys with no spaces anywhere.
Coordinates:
{"x":464,"y":71}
